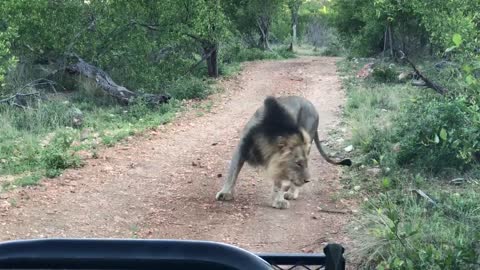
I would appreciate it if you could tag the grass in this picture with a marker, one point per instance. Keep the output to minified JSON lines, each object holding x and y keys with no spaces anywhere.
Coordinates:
{"x":397,"y":229}
{"x":41,"y":142}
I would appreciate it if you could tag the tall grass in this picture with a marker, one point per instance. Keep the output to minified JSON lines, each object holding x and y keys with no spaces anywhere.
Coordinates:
{"x":41,"y":141}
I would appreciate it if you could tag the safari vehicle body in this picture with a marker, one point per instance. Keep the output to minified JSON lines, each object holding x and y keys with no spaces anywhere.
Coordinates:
{"x":152,"y":254}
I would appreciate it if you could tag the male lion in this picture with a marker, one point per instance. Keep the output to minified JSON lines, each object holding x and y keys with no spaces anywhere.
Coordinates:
{"x":278,"y":137}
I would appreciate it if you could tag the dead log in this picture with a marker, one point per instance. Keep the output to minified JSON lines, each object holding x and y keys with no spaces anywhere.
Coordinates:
{"x":106,"y":83}
{"x":438,"y":88}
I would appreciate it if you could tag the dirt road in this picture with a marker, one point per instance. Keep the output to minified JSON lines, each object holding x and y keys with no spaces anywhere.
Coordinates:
{"x":163,"y":184}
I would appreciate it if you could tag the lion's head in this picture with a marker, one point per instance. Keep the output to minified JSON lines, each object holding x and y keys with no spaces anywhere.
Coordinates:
{"x":290,"y":162}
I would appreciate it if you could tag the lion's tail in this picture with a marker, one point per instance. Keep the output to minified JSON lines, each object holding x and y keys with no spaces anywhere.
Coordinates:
{"x":345,"y":162}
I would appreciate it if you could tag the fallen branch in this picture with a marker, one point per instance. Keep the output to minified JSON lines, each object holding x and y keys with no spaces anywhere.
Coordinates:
{"x":105,"y":82}
{"x":438,"y":88}
{"x":335,"y":211}
{"x":458,"y":181}
{"x":18,"y":99}
{"x":423,"y":195}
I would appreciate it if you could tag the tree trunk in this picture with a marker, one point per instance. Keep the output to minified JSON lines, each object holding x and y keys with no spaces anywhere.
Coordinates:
{"x":390,"y":35}
{"x":294,"y":7}
{"x":385,"y":42}
{"x":212,"y":63}
{"x":263,"y":26}
{"x":264,"y":41}
{"x":294,"y":37}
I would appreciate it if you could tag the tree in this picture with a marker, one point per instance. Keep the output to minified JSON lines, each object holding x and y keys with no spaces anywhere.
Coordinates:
{"x":208,"y":26}
{"x":265,"y":11}
{"x":254,"y":18}
{"x":294,"y":6}
{"x":7,"y":60}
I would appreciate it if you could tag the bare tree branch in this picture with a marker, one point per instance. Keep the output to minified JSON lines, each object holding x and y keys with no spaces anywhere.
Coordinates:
{"x":18,"y":99}
{"x":438,"y":88}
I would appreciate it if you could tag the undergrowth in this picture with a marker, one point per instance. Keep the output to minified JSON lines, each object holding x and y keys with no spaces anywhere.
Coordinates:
{"x":36,"y":144}
{"x":405,"y":139}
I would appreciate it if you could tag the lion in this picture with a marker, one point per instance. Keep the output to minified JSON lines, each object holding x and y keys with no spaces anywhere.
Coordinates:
{"x":278,"y":138}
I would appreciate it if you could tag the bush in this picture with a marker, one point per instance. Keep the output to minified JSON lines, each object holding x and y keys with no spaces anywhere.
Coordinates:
{"x":189,"y":88}
{"x":252,"y":54}
{"x":384,"y":74}
{"x":334,"y":47}
{"x":411,"y":134}
{"x":398,"y":232}
{"x":436,"y":134}
{"x":58,"y":154}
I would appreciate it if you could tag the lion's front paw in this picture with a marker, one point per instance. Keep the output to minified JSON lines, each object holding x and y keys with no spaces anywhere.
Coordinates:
{"x":281,"y":204}
{"x":224,"y":196}
{"x":291,"y":196}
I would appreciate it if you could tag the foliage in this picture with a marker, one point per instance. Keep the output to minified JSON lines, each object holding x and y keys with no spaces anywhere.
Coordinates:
{"x":362,"y":23}
{"x":436,"y":135}
{"x":357,"y":25}
{"x":399,"y":232}
{"x":255,"y":18}
{"x":43,"y":143}
{"x":416,"y":139}
{"x":385,"y":74}
{"x":58,"y":155}
{"x":7,"y":60}
{"x":189,"y":88}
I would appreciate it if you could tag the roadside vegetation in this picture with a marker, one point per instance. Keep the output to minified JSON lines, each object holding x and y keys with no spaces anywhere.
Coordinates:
{"x":417,"y":146}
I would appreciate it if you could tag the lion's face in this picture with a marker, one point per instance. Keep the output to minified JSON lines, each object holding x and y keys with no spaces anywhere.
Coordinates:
{"x":297,"y":164}
{"x":291,"y":163}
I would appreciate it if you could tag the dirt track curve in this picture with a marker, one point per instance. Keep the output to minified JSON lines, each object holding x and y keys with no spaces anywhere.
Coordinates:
{"x":163,"y":183}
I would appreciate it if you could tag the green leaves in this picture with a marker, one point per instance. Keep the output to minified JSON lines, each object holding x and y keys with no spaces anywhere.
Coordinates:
{"x":443,"y":134}
{"x":457,"y":39}
{"x":386,"y":183}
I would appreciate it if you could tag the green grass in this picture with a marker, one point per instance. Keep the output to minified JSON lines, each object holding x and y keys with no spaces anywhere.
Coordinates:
{"x":399,"y":231}
{"x":40,"y":141}
{"x":395,"y":228}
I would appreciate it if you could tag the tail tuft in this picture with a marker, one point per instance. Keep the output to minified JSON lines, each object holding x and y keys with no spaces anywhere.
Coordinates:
{"x":346,"y":162}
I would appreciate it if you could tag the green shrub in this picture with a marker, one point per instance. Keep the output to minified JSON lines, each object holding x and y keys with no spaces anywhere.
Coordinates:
{"x":396,"y":231}
{"x":254,"y":54}
{"x":189,"y":88}
{"x":237,"y":53}
{"x":18,"y":152}
{"x":334,"y":47}
{"x":58,"y":154}
{"x":283,"y":52}
{"x":435,"y":134}
{"x":408,"y":135}
{"x":30,"y":180}
{"x":384,"y":74}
